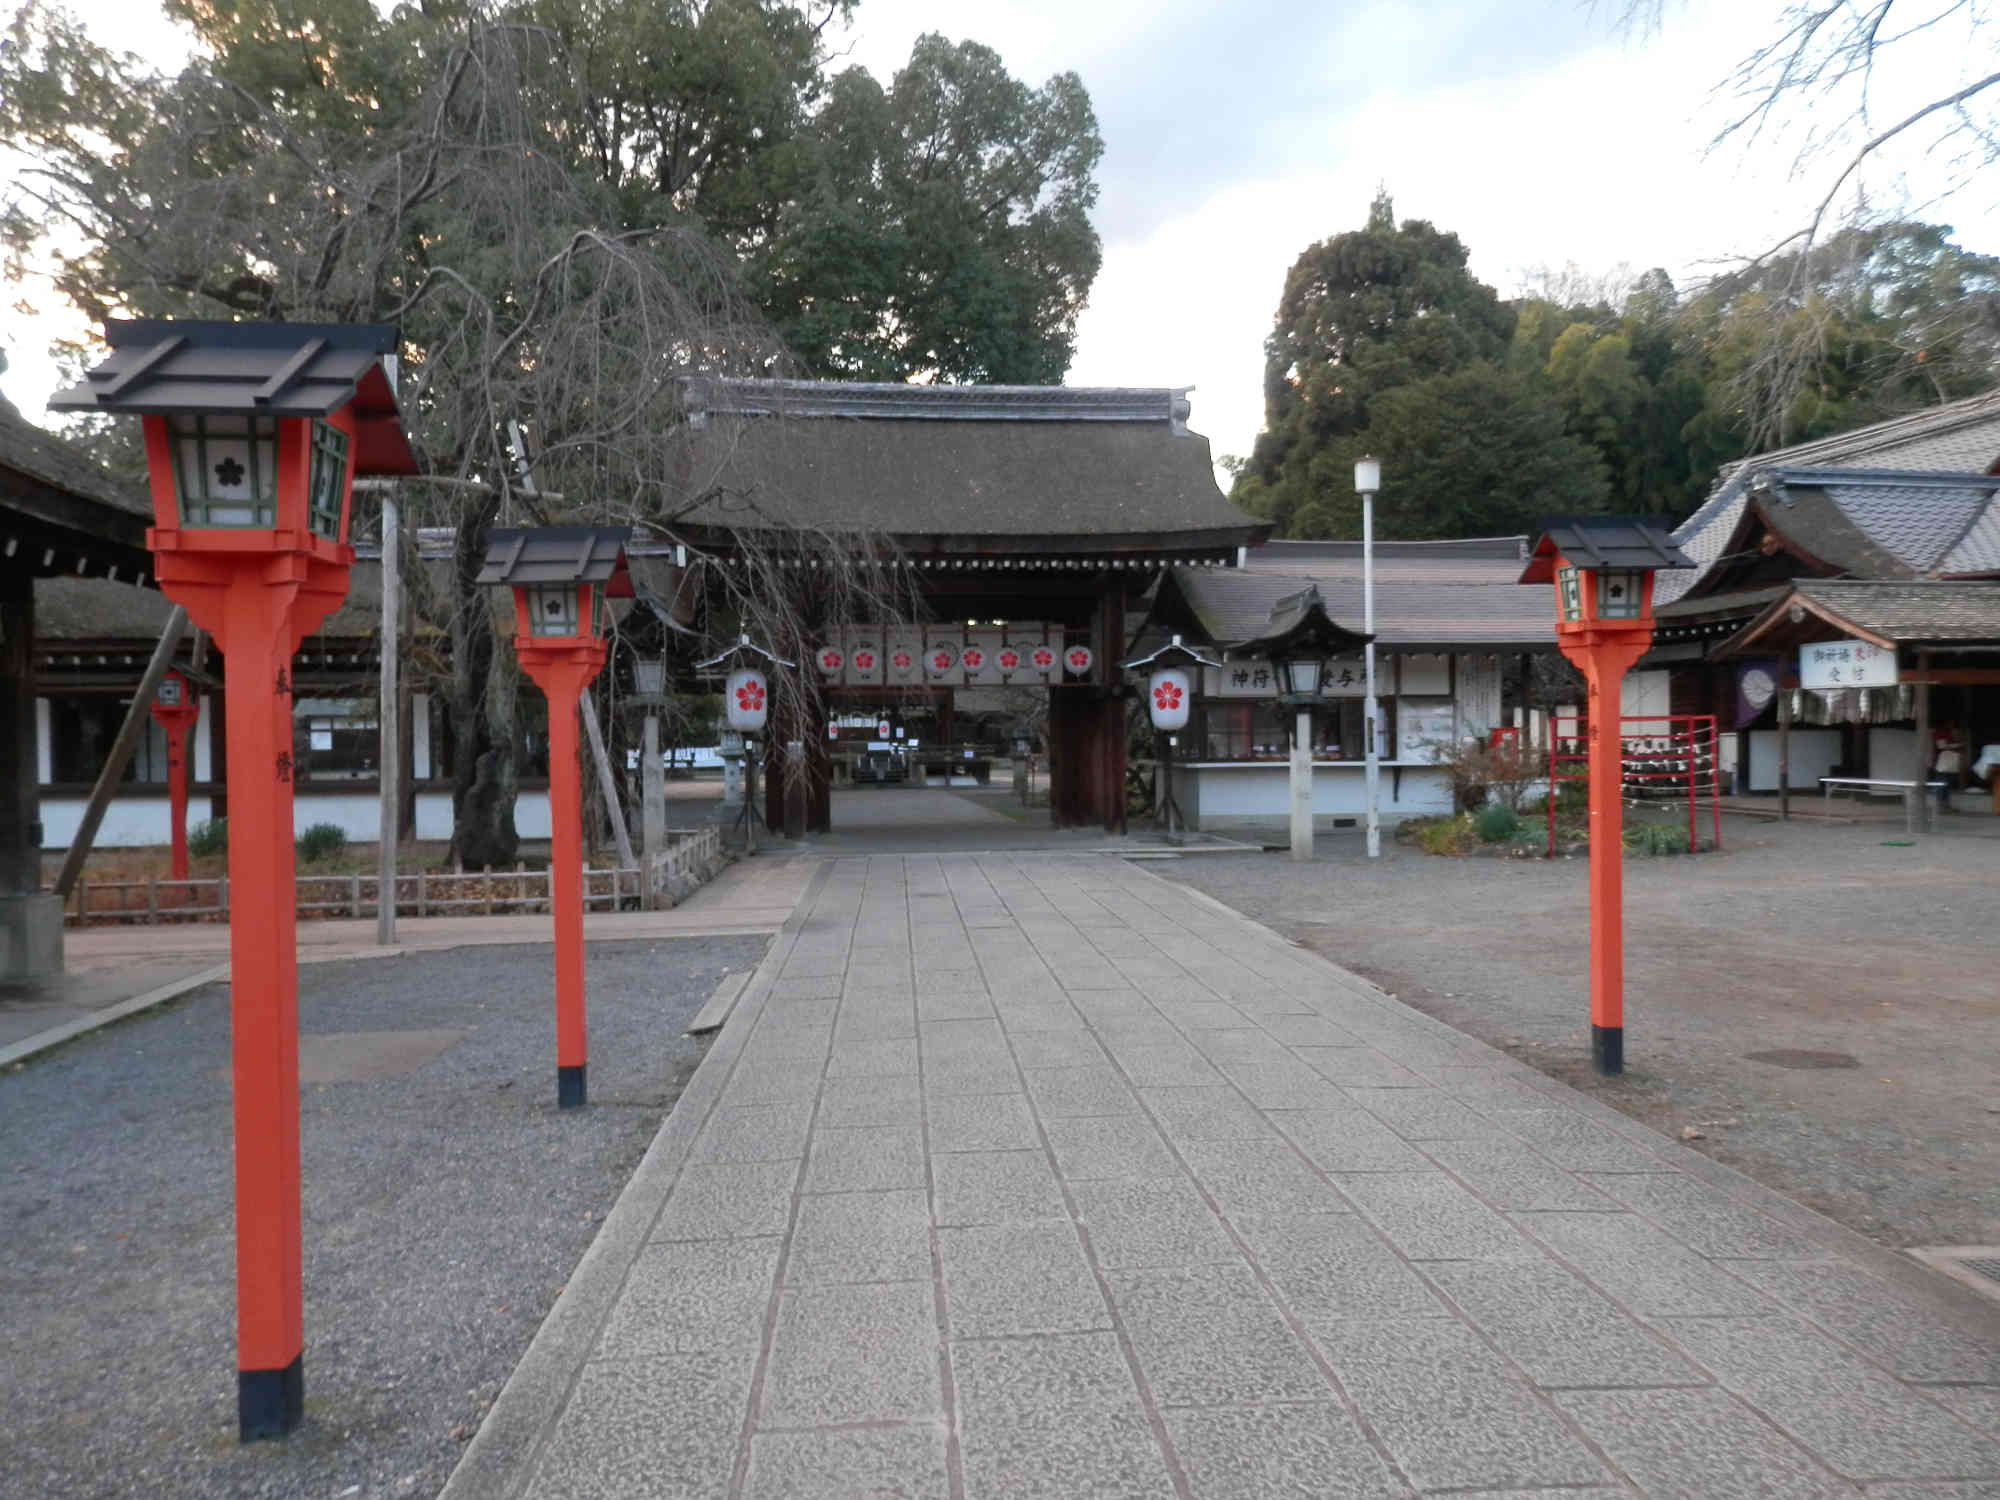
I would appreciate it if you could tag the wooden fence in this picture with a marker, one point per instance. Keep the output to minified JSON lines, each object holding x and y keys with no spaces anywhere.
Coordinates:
{"x":421,"y":893}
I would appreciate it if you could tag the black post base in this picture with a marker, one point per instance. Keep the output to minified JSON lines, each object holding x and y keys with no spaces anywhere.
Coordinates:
{"x":270,"y":1403}
{"x":570,"y":1087}
{"x":1607,"y":1046}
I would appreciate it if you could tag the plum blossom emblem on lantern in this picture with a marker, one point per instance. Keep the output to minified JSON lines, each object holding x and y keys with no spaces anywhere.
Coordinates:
{"x":1168,"y":696}
{"x":1078,"y":660}
{"x":747,"y":700}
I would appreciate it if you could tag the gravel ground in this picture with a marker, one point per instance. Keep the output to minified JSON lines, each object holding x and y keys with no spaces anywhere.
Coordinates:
{"x":444,"y":1206}
{"x":1797,"y":938}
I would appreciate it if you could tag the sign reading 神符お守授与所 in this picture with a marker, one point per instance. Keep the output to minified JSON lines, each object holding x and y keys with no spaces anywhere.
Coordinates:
{"x":1833,"y":665}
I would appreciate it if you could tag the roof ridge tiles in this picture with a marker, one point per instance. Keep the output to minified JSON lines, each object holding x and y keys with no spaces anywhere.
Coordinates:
{"x":735,"y":396}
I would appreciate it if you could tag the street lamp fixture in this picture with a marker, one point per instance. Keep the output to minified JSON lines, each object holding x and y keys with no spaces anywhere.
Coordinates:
{"x":560,"y":576}
{"x":649,"y":679}
{"x":1602,"y":568}
{"x":254,"y":434}
{"x":1302,"y":635}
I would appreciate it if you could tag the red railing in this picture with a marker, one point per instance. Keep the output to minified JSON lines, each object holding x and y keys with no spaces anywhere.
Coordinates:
{"x":1664,"y":758}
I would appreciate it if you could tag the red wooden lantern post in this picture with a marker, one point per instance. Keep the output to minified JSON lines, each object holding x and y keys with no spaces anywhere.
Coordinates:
{"x":560,"y":575}
{"x":175,"y":711}
{"x":1602,"y":567}
{"x":254,"y":434}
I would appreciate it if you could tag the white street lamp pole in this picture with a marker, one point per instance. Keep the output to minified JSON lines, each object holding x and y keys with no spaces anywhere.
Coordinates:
{"x":1367,"y":480}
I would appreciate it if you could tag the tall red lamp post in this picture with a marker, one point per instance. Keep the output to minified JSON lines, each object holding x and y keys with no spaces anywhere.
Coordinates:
{"x":1603,"y":567}
{"x":254,"y":434}
{"x":560,"y":576}
{"x":175,"y":711}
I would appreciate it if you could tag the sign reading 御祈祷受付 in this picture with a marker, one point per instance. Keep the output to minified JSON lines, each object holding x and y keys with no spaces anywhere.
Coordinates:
{"x":1832,"y":665}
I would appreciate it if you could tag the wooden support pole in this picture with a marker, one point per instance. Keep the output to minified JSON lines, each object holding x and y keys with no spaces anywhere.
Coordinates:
{"x":595,"y":734}
{"x":1784,"y":752}
{"x":1921,"y":790}
{"x":137,"y":717}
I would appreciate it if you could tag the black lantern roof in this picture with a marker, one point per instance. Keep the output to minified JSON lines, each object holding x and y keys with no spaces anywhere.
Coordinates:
{"x":558,"y":554}
{"x":166,"y":365}
{"x":1299,"y":622}
{"x":743,"y":653}
{"x":1173,"y":654}
{"x":1596,"y":544}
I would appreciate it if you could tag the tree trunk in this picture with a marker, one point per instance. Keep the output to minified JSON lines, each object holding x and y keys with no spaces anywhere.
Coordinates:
{"x":485,"y":778}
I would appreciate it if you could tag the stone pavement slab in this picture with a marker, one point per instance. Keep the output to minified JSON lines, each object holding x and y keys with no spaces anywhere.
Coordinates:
{"x":1035,"y":1175}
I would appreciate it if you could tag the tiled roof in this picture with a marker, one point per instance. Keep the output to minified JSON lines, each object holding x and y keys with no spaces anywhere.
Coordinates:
{"x":1914,"y":612}
{"x":1962,"y":437}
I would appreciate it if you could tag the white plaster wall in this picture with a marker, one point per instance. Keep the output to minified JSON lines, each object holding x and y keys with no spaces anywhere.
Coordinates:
{"x":204,"y":741}
{"x":129,"y":822}
{"x":433,"y":815}
{"x":531,"y":815}
{"x":1645,"y":694}
{"x":420,"y":740}
{"x":1892,"y":754}
{"x":1814,"y":753}
{"x":1225,"y":793}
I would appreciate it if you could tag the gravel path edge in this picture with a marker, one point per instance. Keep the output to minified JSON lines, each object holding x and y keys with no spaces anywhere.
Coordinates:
{"x":1908,"y":1274}
{"x":500,"y":1459}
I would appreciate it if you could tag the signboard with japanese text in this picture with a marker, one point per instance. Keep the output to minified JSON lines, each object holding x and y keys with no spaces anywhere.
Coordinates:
{"x":1346,"y":677}
{"x":1425,"y":730}
{"x":1833,"y":665}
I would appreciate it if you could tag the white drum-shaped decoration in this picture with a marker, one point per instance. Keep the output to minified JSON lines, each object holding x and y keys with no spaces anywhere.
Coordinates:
{"x":747,"y":700}
{"x":1077,"y":660}
{"x":1168,"y":696}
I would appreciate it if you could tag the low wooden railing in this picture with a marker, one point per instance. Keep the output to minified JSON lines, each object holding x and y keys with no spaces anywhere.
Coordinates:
{"x":420,"y":893}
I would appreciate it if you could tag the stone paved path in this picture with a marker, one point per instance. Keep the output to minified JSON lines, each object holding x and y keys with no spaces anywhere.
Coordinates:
{"x":1019,"y":1176}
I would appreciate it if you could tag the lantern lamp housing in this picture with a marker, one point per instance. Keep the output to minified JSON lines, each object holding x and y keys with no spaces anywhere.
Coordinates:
{"x":558,"y":575}
{"x":252,"y":427}
{"x":1569,"y":593}
{"x":1603,"y":566}
{"x":649,"y":677}
{"x":1301,"y":637}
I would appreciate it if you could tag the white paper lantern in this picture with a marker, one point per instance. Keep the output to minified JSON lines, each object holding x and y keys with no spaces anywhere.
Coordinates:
{"x":747,"y":700}
{"x":831,"y":660}
{"x":1077,"y":660}
{"x":1168,"y":697}
{"x":941,"y":658}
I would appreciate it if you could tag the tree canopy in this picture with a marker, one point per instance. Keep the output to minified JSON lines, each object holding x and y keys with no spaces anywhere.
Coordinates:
{"x":567,"y":206}
{"x":1621,"y":393}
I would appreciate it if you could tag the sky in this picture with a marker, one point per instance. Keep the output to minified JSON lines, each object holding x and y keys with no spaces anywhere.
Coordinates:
{"x":1238,"y":132}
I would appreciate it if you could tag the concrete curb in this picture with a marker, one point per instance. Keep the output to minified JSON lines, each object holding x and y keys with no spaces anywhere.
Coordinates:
{"x":69,"y":1031}
{"x":500,"y":1461}
{"x":1950,"y":1298}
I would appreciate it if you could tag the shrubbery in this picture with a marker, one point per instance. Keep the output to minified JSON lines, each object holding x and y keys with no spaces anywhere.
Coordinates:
{"x":210,"y":836}
{"x":321,"y":841}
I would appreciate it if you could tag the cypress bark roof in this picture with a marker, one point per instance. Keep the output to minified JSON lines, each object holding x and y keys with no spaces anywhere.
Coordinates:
{"x":980,"y":469}
{"x":1429,"y":596}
